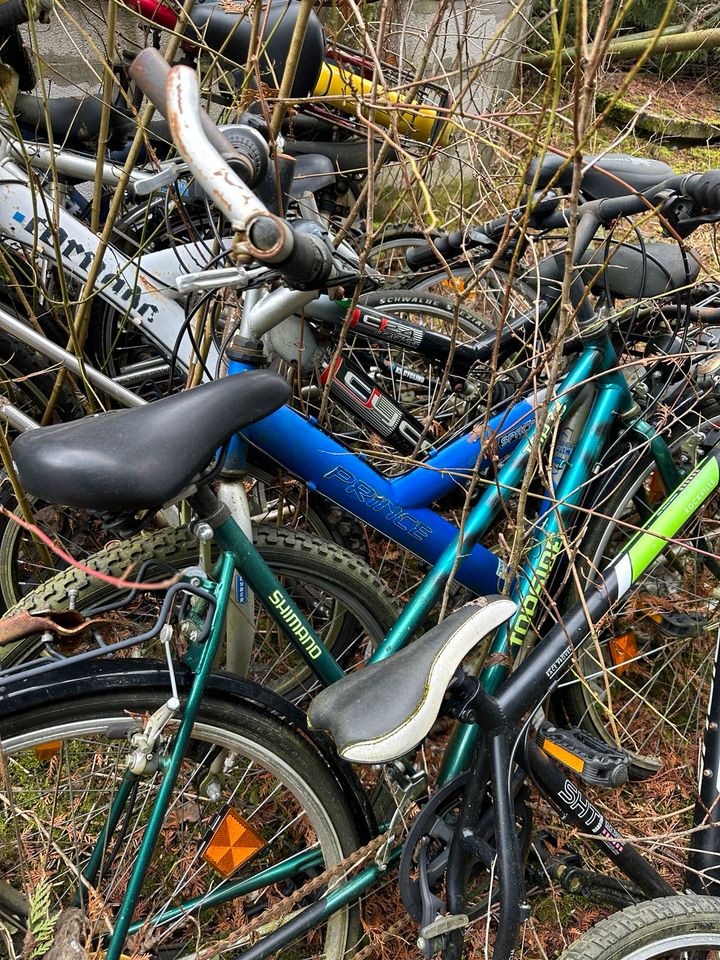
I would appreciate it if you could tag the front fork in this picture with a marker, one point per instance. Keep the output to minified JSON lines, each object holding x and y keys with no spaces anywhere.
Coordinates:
{"x":172,"y":763}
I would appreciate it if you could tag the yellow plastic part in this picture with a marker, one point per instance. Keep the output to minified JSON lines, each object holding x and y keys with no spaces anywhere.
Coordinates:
{"x":624,"y":649}
{"x":345,"y":90}
{"x":563,"y":755}
{"x":233,"y":841}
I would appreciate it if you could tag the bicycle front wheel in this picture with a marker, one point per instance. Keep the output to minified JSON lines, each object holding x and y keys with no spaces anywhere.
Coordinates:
{"x":671,"y":928}
{"x":256,"y":813}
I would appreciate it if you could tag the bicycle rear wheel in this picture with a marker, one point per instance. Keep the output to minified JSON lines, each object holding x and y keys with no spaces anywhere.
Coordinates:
{"x":348,"y":605}
{"x":244,"y":770}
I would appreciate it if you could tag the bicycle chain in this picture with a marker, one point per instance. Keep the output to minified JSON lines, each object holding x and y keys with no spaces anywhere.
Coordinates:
{"x":284,"y":906}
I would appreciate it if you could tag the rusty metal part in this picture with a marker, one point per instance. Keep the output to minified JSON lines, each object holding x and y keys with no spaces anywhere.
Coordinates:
{"x":236,"y":200}
{"x":66,"y":624}
{"x":276,"y":248}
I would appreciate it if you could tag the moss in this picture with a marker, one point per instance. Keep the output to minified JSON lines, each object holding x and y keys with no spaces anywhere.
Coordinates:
{"x":654,"y":123}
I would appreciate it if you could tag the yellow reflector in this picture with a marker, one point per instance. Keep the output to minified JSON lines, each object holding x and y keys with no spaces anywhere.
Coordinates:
{"x":623,"y":649}
{"x":46,"y":751}
{"x":232,"y":842}
{"x":563,"y":755}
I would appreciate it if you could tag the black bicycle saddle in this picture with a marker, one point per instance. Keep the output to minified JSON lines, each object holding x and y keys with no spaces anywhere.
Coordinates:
{"x":143,"y":458}
{"x":227,"y":29}
{"x":638,"y":172}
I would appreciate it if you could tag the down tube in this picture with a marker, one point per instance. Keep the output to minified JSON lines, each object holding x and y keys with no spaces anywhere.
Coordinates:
{"x":484,"y":512}
{"x":397,"y":508}
{"x":539,"y":565}
{"x":278,"y":603}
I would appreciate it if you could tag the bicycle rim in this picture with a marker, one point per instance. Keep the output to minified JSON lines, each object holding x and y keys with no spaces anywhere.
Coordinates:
{"x":61,"y":774}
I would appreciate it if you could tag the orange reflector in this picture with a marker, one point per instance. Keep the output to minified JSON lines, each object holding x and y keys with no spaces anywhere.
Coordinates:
{"x":656,"y":489}
{"x":232,"y":842}
{"x":563,"y":755}
{"x":46,"y":751}
{"x":622,"y":650}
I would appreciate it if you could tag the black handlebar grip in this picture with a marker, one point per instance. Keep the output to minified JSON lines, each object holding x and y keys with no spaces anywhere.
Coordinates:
{"x":13,"y":13}
{"x":449,"y":247}
{"x":704,"y":189}
{"x":311,"y":264}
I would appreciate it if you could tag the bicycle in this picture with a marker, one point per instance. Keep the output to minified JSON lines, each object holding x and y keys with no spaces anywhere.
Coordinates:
{"x":348,"y":707}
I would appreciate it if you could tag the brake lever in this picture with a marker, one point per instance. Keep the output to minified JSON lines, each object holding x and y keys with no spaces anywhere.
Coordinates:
{"x":156,"y":181}
{"x":238,"y":278}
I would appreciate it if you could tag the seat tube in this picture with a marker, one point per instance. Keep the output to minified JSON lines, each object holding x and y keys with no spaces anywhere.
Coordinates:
{"x":240,"y":618}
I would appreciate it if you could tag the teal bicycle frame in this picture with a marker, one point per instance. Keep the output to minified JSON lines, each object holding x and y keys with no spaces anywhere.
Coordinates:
{"x":595,"y":369}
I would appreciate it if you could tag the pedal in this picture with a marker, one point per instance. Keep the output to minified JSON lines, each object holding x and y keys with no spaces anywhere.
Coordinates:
{"x":587,"y":756}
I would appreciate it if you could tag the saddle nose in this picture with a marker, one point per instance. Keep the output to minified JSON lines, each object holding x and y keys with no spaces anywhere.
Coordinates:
{"x":384,"y":710}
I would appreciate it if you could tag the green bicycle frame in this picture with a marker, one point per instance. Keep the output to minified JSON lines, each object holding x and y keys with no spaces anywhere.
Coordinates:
{"x":612,"y":398}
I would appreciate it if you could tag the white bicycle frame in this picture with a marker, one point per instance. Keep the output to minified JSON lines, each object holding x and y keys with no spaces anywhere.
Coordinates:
{"x":145,"y":289}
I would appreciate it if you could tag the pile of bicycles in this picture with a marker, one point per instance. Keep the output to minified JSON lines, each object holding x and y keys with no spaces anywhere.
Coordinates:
{"x":222,"y":731}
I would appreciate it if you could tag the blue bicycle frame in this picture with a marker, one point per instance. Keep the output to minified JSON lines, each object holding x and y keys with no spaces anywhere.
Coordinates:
{"x":399,"y":507}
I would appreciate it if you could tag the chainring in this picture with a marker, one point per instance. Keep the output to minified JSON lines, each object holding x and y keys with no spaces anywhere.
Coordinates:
{"x":436,"y":821}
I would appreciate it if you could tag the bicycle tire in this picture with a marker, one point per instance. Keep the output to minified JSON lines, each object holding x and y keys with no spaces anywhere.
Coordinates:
{"x":62,"y":763}
{"x":639,"y":691}
{"x":686,"y":927}
{"x":387,"y":250}
{"x":315,"y":572}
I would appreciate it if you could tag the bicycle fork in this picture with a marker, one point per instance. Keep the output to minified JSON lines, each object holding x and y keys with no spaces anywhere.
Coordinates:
{"x":171,"y":769}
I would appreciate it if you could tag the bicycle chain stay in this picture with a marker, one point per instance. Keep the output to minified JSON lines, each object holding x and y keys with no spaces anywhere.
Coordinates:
{"x":277,"y":912}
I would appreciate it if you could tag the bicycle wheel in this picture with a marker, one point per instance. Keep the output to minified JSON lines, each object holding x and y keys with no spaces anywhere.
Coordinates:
{"x":388,"y":249}
{"x":63,"y":767}
{"x":642,"y":679}
{"x":348,"y":605}
{"x":672,"y":928}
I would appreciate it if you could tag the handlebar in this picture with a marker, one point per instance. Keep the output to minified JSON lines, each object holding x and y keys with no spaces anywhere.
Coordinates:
{"x":702,"y":188}
{"x":485,"y":235}
{"x":303,"y":259}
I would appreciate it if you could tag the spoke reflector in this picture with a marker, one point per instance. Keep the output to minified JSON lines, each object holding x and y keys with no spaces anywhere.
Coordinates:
{"x":231,"y":843}
{"x":46,"y":751}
